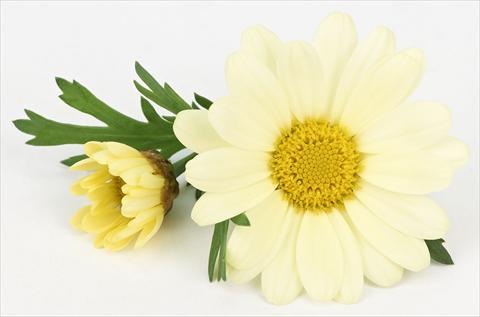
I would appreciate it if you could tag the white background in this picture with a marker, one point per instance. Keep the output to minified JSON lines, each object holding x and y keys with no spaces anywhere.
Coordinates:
{"x":48,"y":268}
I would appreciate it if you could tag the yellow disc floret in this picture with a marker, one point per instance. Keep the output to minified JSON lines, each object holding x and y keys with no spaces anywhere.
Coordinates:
{"x":316,"y":165}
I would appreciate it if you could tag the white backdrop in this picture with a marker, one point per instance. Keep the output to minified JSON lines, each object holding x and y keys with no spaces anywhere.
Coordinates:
{"x":48,"y":268}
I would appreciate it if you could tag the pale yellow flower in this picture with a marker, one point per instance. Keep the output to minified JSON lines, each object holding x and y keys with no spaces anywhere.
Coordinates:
{"x":130,"y":192}
{"x":318,"y":145}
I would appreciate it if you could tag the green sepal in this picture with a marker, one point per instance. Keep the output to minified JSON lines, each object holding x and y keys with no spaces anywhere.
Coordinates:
{"x":203,"y":101}
{"x":198,"y":194}
{"x":241,"y":220}
{"x":438,"y":251}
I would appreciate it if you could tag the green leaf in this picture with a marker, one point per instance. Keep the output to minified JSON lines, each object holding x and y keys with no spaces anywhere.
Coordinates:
{"x":74,"y":159}
{"x":149,"y":112}
{"x":179,"y":166}
{"x":438,"y":251}
{"x":155,"y":134}
{"x":80,"y":98}
{"x":222,"y":263}
{"x":164,"y":96}
{"x":202,"y":101}
{"x":214,"y":249}
{"x":241,"y":220}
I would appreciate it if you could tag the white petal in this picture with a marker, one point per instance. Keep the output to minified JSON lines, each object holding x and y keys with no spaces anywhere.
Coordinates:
{"x":262,"y":43}
{"x":300,"y":73}
{"x":215,"y":207}
{"x":319,"y":257}
{"x":379,"y":44}
{"x":407,"y":128}
{"x":244,"y":123}
{"x":227,"y":169}
{"x":193,"y":129}
{"x":415,"y":215}
{"x":249,"y":78}
{"x":270,"y":221}
{"x":416,"y":173}
{"x":384,"y":88}
{"x":352,"y":283}
{"x":408,"y":252}
{"x":280,"y":281}
{"x":450,"y":149}
{"x":335,"y":40}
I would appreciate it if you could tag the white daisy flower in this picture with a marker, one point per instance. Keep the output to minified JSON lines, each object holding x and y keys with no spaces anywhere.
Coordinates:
{"x":319,"y":146}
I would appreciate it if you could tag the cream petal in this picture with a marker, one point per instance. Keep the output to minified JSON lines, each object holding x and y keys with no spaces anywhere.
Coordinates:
{"x":77,"y":188}
{"x":118,"y":166}
{"x":247,"y":77}
{"x":109,"y":244}
{"x":414,"y":215}
{"x":132,"y":205}
{"x":95,"y":179}
{"x":335,"y":40}
{"x":450,"y":149}
{"x":227,"y":169}
{"x":146,"y":216}
{"x":269,"y":223}
{"x":262,"y":43}
{"x":408,"y":252}
{"x":384,"y":88}
{"x":77,"y":219}
{"x":280,"y":281}
{"x":243,"y":276}
{"x":379,"y":44}
{"x":352,"y":283}
{"x":407,"y":128}
{"x":92,"y":147}
{"x":100,"y":222}
{"x":244,"y":123}
{"x":319,"y":257}
{"x":300,"y":72}
{"x":148,"y":231}
{"x":212,"y":208}
{"x":133,"y":175}
{"x":87,"y":164}
{"x":378,"y":268}
{"x":122,"y":150}
{"x":151,"y":181}
{"x":412,"y":173}
{"x":193,"y":130}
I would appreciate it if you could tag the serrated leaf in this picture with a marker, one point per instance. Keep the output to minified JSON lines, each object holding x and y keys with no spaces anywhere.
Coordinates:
{"x":154,"y":134}
{"x":150,"y":114}
{"x":241,"y":220}
{"x":164,"y":96}
{"x":80,"y":98}
{"x":202,"y":101}
{"x":438,"y":251}
{"x":73,"y":159}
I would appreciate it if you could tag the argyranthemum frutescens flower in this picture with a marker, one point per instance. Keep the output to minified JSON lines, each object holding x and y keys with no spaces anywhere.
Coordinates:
{"x":130,"y":193}
{"x":331,"y":164}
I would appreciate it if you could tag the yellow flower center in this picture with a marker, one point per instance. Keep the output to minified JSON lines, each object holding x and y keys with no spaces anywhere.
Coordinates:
{"x":316,"y":165}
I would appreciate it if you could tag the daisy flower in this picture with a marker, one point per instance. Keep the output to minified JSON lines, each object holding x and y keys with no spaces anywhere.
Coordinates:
{"x":318,"y":144}
{"x":130,"y":193}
